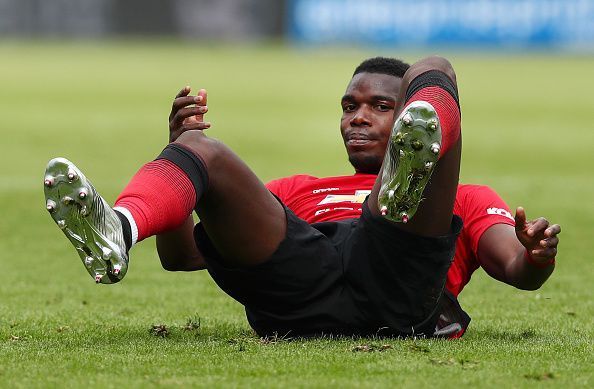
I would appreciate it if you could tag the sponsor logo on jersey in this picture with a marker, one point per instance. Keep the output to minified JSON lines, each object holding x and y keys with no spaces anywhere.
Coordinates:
{"x":316,"y":191}
{"x":357,"y":198}
{"x":500,"y":212}
{"x":321,"y":211}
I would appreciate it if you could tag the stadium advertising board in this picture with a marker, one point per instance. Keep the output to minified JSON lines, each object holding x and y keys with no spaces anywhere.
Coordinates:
{"x":496,"y":23}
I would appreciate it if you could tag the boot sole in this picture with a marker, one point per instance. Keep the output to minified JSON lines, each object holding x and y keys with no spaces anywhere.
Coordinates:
{"x":70,"y":200}
{"x":413,"y":150}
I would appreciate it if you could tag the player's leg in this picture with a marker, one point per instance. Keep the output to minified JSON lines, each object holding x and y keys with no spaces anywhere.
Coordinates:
{"x":425,"y":142}
{"x":407,"y":262}
{"x":159,"y":197}
{"x":243,"y":219}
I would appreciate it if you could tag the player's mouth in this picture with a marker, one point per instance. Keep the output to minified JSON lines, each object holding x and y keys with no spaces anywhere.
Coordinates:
{"x":357,"y":139}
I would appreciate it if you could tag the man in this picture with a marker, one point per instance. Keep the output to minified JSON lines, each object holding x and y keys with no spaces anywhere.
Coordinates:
{"x":357,"y":276}
{"x":257,"y":251}
{"x":512,"y":250}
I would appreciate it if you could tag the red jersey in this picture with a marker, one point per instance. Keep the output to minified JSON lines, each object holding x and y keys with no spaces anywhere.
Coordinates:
{"x":336,"y":198}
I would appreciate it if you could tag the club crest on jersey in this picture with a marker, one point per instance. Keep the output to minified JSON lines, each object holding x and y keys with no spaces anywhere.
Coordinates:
{"x":357,"y":198}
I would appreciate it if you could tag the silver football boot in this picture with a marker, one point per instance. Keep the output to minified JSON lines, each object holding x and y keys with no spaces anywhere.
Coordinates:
{"x":410,"y":158}
{"x":90,"y":224}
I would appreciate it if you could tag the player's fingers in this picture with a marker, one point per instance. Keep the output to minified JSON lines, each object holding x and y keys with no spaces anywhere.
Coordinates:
{"x":185,"y":113}
{"x":553,"y":230}
{"x":544,"y":254}
{"x":184,"y":101}
{"x":202,"y":93}
{"x":537,"y":226}
{"x":520,"y":218}
{"x":184,"y":91}
{"x":197,"y":126}
{"x":549,"y":242}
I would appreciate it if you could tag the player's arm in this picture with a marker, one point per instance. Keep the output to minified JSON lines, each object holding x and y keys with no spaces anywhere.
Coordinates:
{"x":177,"y":249}
{"x":523,"y":256}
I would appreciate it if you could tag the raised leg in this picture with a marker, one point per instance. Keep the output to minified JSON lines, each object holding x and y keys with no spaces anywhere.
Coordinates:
{"x":419,"y":177}
{"x":243,"y":220}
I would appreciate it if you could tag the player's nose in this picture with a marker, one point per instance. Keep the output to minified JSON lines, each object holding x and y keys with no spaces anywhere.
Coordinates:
{"x":361,"y":118}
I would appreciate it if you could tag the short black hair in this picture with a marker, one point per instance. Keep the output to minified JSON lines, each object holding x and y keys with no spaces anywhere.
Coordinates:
{"x":383,"y":65}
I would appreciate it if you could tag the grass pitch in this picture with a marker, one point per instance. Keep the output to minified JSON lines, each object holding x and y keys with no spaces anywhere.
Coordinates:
{"x":527,"y":127}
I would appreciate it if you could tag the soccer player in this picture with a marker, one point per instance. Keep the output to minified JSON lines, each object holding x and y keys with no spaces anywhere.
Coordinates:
{"x":518,"y":252}
{"x":356,"y":276}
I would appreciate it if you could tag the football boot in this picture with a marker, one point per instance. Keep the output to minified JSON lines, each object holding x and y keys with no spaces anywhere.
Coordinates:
{"x":412,"y":151}
{"x":86,"y":219}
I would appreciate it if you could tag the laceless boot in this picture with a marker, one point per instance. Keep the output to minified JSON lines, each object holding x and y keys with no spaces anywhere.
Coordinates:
{"x":86,"y":219}
{"x":410,"y":158}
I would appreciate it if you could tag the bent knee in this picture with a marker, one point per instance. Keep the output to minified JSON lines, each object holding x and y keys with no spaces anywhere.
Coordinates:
{"x":443,"y":65}
{"x":208,"y":149}
{"x":195,"y":139}
{"x":431,"y":63}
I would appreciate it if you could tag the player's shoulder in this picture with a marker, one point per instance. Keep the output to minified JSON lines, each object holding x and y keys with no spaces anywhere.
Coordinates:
{"x":481,"y":200}
{"x":480,"y":207}
{"x":471,"y":197}
{"x":472,"y":190}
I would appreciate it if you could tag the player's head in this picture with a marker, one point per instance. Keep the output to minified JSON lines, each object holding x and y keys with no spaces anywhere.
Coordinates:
{"x":382,"y":65}
{"x":368,"y":108}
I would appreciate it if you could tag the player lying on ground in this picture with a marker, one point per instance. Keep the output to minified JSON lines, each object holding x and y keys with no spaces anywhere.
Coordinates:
{"x":355,"y":276}
{"x":518,"y":252}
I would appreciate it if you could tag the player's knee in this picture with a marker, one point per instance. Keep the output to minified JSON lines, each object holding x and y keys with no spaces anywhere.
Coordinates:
{"x":431,"y":63}
{"x":206,"y":148}
{"x":192,"y":139}
{"x":443,"y":65}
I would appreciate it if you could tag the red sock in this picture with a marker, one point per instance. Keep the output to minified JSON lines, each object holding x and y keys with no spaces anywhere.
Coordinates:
{"x":160,"y":197}
{"x":447,"y":111}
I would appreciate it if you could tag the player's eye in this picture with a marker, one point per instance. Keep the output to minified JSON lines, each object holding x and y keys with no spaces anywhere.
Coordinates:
{"x":348,"y":107}
{"x":383,"y":107}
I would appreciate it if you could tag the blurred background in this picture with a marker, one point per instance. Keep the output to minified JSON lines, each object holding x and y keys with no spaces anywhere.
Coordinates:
{"x":519,"y":24}
{"x":93,"y":81}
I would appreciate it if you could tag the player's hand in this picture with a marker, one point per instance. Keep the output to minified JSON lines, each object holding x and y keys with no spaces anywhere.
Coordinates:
{"x":187,"y":113}
{"x":538,"y":236}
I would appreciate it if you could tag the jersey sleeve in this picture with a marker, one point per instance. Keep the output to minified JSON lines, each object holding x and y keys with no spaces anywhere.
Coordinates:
{"x":482,"y":209}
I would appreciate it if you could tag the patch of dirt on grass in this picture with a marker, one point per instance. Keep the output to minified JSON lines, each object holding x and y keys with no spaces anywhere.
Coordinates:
{"x":159,"y":330}
{"x":540,"y":376}
{"x":368,"y":348}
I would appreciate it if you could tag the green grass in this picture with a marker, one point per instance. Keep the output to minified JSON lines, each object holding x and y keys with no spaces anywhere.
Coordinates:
{"x":527,"y":124}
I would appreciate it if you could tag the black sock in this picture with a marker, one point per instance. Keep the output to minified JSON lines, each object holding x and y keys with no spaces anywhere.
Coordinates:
{"x":191,"y":164}
{"x":433,"y":78}
{"x":126,"y":229}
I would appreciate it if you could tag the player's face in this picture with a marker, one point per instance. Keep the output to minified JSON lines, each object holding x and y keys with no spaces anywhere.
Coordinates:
{"x":367,"y":117}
